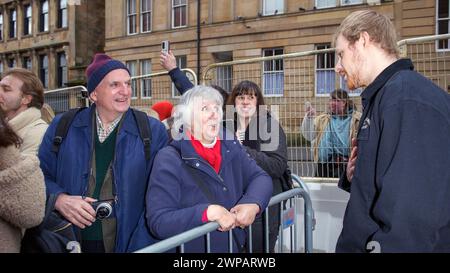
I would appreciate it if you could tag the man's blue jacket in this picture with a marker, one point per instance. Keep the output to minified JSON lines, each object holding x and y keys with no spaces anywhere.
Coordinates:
{"x":68,"y":171}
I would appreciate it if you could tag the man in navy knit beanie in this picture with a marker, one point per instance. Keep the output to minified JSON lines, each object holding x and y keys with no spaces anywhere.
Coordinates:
{"x":100,"y":173}
{"x":100,"y":66}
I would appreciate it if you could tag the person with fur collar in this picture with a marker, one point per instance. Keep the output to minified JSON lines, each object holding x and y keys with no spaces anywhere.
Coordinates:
{"x":22,"y":190}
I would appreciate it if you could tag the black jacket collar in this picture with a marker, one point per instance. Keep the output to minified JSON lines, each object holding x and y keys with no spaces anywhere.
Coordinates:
{"x":380,"y":81}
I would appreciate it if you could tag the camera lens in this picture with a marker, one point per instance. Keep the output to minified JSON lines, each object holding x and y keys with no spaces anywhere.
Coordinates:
{"x":103,"y":211}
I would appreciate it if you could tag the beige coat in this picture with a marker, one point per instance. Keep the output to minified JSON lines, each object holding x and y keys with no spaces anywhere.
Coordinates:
{"x":313,"y":131}
{"x":22,"y":196}
{"x":31,"y":128}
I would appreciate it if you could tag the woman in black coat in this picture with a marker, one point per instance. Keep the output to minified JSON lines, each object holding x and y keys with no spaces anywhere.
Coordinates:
{"x":265,"y":141}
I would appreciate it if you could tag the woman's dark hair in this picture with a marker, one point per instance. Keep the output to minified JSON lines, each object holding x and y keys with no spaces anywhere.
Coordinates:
{"x":246,"y":88}
{"x":7,"y":135}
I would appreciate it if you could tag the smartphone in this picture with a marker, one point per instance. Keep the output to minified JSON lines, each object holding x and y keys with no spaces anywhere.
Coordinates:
{"x":165,"y":46}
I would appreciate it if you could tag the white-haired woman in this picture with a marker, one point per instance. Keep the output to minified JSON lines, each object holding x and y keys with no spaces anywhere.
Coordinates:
{"x":203,"y":176}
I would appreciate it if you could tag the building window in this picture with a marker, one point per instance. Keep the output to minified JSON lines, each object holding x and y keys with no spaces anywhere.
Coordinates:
{"x":181,"y":63}
{"x":27,"y":20}
{"x":146,"y":83}
{"x":271,"y":7}
{"x":179,"y":13}
{"x":62,"y":14}
{"x":322,"y":4}
{"x":325,"y":75}
{"x":224,"y":74}
{"x":26,"y":62}
{"x":443,"y":23}
{"x":11,"y":63}
{"x":273,"y":73}
{"x":62,"y":69}
{"x":131,"y":65}
{"x":146,"y":15}
{"x":1,"y":25}
{"x":12,"y":23}
{"x":43,"y":16}
{"x":43,"y":70}
{"x":131,"y":17}
{"x":351,"y":2}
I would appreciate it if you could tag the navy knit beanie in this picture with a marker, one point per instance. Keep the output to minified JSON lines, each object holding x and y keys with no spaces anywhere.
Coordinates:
{"x":100,"y":66}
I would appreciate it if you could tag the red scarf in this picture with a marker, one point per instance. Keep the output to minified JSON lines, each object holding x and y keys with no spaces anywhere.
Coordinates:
{"x":211,"y":155}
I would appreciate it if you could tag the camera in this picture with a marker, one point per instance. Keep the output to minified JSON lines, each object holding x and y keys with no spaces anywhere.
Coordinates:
{"x":165,"y":46}
{"x":104,"y":209}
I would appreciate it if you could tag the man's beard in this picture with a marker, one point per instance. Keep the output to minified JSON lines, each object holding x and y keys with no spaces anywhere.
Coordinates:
{"x":12,"y":110}
{"x":352,"y":82}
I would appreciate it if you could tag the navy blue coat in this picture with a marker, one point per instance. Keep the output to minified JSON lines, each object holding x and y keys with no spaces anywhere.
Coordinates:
{"x":68,"y":171}
{"x":179,"y":79}
{"x":400,"y":191}
{"x":175,"y":203}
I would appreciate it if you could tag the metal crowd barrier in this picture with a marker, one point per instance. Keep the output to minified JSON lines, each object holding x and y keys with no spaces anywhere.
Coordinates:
{"x":305,"y":79}
{"x":63,"y":99}
{"x":205,"y":230}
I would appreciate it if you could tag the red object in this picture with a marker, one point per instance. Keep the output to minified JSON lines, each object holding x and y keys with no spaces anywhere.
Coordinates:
{"x":205,"y":216}
{"x":211,"y":155}
{"x":164,"y":109}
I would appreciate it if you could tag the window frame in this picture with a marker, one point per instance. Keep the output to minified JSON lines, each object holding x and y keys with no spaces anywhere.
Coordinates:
{"x":62,"y":71}
{"x":24,"y":62}
{"x":27,"y":20}
{"x":12,"y":29}
{"x":1,"y":25}
{"x":437,"y":46}
{"x":132,"y":68}
{"x":142,"y":13}
{"x":324,"y":7}
{"x":343,"y":4}
{"x":274,"y":71}
{"x":130,"y":16}
{"x":44,"y":71}
{"x":173,"y":13}
{"x":264,"y":5}
{"x":63,"y":13}
{"x":149,"y":80}
{"x":44,"y":16}
{"x":12,"y":62}
{"x":324,"y":69}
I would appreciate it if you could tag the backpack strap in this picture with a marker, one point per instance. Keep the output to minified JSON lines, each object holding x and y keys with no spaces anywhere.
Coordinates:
{"x":63,"y":127}
{"x":49,"y":207}
{"x":144,"y":130}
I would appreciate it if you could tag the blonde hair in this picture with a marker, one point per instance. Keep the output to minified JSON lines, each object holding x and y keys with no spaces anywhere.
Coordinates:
{"x":379,"y":27}
{"x":47,"y":113}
